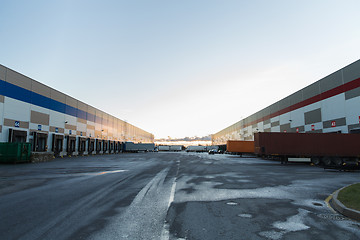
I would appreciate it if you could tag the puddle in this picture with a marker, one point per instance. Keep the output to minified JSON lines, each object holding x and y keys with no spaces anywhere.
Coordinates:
{"x":317,"y":204}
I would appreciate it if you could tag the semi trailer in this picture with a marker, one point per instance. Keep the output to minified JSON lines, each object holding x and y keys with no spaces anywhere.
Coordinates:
{"x":164,"y":148}
{"x":138,"y":147}
{"x":240,"y":147}
{"x":328,"y":149}
{"x":172,"y":148}
{"x":175,"y":148}
{"x":196,"y":149}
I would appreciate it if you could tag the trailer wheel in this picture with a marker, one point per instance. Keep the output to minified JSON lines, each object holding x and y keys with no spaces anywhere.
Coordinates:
{"x":284,"y":160}
{"x":337,"y":161}
{"x":316,"y":160}
{"x":326,"y":161}
{"x":351,"y":161}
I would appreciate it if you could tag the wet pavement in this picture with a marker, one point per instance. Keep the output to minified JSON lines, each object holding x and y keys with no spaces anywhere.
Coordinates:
{"x":171,"y":196}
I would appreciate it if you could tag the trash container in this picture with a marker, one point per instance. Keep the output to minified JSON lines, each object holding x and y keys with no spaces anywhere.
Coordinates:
{"x":15,"y":152}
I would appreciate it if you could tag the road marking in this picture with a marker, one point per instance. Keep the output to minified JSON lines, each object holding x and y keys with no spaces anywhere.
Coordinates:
{"x":93,"y":173}
{"x":327,"y":201}
{"x":115,"y":171}
{"x":144,"y":217}
{"x":165,"y":234}
{"x":172,"y":193}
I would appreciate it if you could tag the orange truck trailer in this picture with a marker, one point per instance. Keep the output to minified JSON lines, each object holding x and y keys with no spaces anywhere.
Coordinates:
{"x":240,"y":147}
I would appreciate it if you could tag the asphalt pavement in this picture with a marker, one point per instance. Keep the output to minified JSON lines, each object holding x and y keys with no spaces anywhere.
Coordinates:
{"x":171,"y":196}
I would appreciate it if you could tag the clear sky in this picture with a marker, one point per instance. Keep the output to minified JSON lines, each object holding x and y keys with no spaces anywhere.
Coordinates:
{"x":179,"y":67}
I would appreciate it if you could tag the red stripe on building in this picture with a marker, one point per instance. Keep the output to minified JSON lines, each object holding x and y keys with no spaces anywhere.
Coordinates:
{"x":322,"y":96}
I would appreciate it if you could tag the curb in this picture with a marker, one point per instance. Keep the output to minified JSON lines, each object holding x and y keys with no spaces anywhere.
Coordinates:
{"x":348,"y":212}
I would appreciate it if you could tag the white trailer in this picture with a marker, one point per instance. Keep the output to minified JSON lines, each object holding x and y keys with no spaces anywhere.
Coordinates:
{"x":172,"y":148}
{"x":175,"y":148}
{"x":196,"y":149}
{"x":163,"y":148}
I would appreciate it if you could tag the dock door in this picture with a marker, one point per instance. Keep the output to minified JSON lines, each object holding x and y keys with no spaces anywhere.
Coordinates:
{"x":70,"y":144}
{"x":57,"y":144}
{"x":91,"y":145}
{"x":17,"y":135}
{"x":40,"y":142}
{"x":82,"y":145}
{"x":98,"y":146}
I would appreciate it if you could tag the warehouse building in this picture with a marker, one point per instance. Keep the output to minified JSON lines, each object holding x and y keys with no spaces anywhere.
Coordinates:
{"x":331,"y":104}
{"x":56,"y":123}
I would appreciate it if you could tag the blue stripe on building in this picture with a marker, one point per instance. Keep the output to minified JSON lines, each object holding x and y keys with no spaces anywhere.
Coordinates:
{"x":24,"y":95}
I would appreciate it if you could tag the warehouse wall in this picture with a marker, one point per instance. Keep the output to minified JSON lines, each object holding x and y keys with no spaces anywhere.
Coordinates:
{"x":331,"y":104}
{"x":29,"y":106}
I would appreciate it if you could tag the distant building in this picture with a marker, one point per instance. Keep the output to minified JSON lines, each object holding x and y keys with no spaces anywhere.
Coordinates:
{"x":331,"y":104}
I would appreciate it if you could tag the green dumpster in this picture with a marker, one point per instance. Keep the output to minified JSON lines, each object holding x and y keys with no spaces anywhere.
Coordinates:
{"x":15,"y":152}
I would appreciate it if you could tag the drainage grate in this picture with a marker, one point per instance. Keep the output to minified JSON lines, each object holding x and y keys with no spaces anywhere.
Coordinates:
{"x":335,"y":217}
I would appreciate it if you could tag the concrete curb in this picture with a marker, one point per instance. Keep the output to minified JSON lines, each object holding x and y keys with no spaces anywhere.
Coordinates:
{"x":348,"y":212}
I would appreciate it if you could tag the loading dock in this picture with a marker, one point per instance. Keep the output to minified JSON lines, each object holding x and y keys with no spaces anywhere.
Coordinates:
{"x":91,"y":145}
{"x":57,"y":144}
{"x":329,"y":105}
{"x":70,"y":144}
{"x":98,"y":146}
{"x":81,"y":145}
{"x":111,"y":146}
{"x":105,"y":146}
{"x":117,"y":147}
{"x":39,"y":141}
{"x":17,"y":135}
{"x":46,"y":128}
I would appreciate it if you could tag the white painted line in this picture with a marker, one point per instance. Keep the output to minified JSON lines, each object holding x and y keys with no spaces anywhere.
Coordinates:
{"x":165,"y":234}
{"x":172,"y":194}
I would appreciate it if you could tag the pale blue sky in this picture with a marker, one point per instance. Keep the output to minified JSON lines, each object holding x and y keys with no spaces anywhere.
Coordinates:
{"x":179,"y":68}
